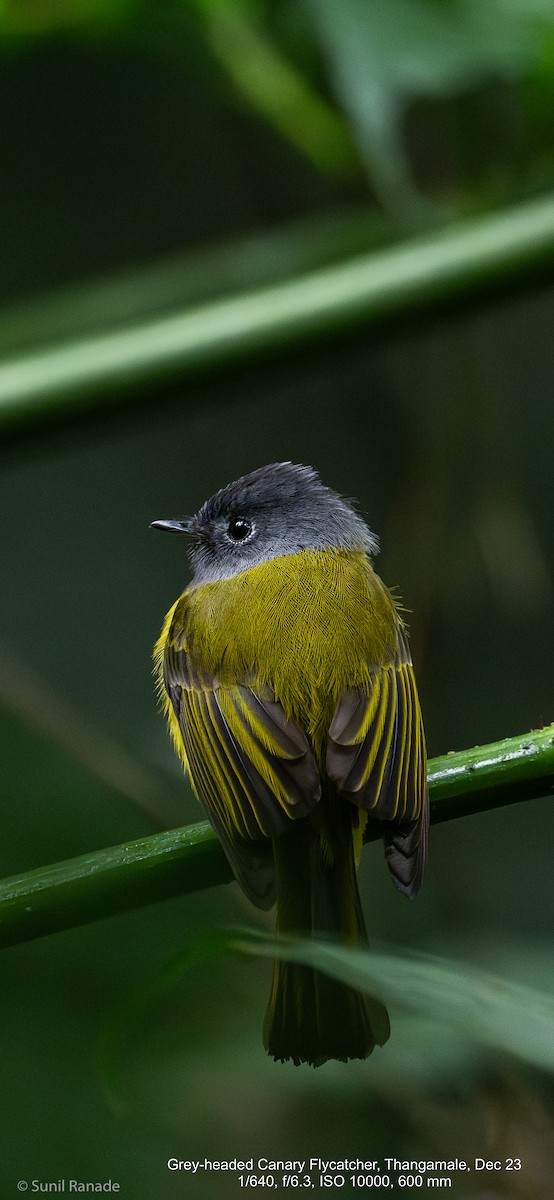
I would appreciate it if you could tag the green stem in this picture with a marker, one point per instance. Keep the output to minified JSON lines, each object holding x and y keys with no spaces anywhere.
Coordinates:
{"x":389,"y":283}
{"x":184,"y":860}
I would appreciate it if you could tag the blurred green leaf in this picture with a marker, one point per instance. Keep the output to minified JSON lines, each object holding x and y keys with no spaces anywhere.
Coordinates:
{"x":485,"y":1008}
{"x":276,"y":87}
{"x":383,"y":55}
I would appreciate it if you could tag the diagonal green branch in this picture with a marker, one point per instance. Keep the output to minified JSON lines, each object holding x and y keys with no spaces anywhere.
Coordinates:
{"x":405,"y":278}
{"x":184,"y":860}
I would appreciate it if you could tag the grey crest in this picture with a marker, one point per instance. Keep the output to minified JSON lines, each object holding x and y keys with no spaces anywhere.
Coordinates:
{"x":276,"y":510}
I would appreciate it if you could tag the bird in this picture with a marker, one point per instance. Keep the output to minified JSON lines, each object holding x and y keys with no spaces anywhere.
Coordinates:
{"x":285,"y":675}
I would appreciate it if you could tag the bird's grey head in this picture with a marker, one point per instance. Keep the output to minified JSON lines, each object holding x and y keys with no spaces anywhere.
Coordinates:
{"x":276,"y":510}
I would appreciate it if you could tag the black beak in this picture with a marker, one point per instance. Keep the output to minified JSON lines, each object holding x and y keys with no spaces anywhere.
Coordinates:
{"x":185,"y":526}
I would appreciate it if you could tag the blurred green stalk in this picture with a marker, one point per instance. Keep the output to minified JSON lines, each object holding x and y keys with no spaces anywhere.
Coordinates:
{"x":184,"y":860}
{"x":403,"y":279}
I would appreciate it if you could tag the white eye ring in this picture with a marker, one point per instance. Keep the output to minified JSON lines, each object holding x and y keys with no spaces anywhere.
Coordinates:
{"x":239,"y":530}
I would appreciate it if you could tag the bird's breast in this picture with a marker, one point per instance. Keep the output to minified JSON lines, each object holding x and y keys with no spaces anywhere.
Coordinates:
{"x":309,"y":625}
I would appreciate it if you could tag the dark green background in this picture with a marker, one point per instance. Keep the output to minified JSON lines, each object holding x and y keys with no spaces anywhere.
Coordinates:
{"x":121,"y":146}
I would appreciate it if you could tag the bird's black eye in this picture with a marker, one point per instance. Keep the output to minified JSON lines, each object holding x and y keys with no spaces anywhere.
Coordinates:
{"x":239,"y":529}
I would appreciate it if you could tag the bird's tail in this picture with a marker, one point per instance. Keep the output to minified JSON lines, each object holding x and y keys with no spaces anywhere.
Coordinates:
{"x":311,"y":1017}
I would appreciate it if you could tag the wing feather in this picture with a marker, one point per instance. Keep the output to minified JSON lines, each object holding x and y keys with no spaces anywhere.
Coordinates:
{"x":376,"y":756}
{"x":250,"y":765}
